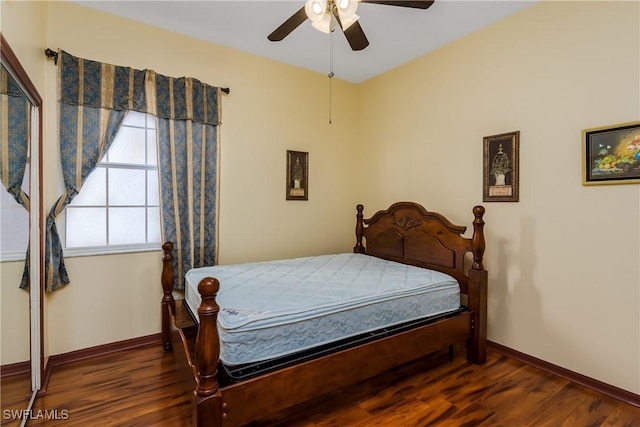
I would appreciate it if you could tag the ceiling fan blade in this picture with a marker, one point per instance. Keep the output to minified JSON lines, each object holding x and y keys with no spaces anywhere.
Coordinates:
{"x":288,"y":26}
{"x":407,"y":3}
{"x":355,"y":36}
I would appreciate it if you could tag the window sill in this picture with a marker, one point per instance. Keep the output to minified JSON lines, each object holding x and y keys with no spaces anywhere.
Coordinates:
{"x":13,"y":256}
{"x":110,"y":250}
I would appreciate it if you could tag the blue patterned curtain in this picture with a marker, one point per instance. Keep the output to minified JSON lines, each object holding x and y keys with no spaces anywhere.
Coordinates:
{"x":94,"y":98}
{"x":15,"y":125}
{"x":188,"y":116}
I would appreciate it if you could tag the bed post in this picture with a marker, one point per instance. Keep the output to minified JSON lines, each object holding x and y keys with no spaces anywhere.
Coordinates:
{"x":358,"y":248}
{"x":207,"y":395}
{"x":167,"y":291}
{"x":477,"y":297}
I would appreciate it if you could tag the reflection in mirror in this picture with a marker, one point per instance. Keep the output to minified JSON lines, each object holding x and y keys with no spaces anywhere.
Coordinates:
{"x":20,"y":143}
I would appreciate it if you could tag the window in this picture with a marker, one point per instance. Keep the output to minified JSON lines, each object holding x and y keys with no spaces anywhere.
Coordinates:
{"x":117,"y":209}
{"x":14,"y":223}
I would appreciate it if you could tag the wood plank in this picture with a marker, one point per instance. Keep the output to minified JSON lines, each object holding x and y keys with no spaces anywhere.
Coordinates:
{"x":142,"y":387}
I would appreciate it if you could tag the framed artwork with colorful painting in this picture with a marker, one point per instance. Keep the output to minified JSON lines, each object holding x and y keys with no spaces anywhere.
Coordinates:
{"x":611,"y":154}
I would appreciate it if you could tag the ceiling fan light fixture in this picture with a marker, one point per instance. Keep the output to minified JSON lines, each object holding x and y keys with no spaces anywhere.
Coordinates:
{"x":315,"y":10}
{"x":347,"y":7}
{"x":347,"y":12}
{"x":323,"y":24}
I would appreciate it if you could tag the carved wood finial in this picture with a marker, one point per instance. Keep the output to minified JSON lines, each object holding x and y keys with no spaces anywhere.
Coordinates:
{"x":207,"y":341}
{"x":358,"y":248}
{"x":477,"y":241}
{"x":167,"y":271}
{"x":167,"y":279}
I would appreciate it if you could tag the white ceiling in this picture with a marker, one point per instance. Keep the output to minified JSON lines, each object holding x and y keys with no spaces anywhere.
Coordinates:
{"x":396,"y":34}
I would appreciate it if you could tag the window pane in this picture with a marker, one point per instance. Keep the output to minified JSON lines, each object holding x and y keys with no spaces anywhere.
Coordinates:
{"x":14,"y":219}
{"x":128,"y":147}
{"x":126,"y":187}
{"x":14,"y":227}
{"x":6,"y":198}
{"x":153,"y":198}
{"x":152,"y":152}
{"x":94,"y":190}
{"x":25,"y":179}
{"x":153,"y":225}
{"x":151,"y":122}
{"x":134,"y":118}
{"x":86,"y":227}
{"x":126,"y":226}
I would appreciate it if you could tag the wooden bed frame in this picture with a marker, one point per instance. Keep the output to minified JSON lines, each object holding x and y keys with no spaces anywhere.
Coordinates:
{"x":406,"y":233}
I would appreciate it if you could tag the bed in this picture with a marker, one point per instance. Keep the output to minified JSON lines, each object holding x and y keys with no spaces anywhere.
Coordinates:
{"x":282,"y":332}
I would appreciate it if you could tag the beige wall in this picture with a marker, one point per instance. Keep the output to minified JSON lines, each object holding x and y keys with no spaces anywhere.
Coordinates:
{"x":272,"y":107}
{"x":14,"y":315}
{"x":23,"y":25}
{"x":563,"y":262}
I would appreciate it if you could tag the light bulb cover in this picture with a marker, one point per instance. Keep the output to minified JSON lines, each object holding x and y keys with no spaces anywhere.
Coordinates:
{"x":347,"y":7}
{"x":323,"y":24}
{"x":347,"y":12}
{"x":315,"y":9}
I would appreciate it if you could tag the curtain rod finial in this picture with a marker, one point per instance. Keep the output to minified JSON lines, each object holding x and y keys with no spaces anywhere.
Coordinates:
{"x":52,"y":54}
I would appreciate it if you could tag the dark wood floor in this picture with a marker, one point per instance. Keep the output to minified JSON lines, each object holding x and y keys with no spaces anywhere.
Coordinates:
{"x":141,"y":388}
{"x":15,"y":393}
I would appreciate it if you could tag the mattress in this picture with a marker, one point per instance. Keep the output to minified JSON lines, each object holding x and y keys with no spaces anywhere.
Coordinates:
{"x":275,"y":308}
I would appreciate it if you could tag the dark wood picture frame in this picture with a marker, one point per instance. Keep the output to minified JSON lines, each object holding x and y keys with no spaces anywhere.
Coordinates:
{"x":611,"y":154}
{"x":297,"y":175}
{"x":501,"y":167}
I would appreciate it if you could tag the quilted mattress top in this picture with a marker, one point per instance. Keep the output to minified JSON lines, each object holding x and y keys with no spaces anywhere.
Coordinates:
{"x":263,"y":294}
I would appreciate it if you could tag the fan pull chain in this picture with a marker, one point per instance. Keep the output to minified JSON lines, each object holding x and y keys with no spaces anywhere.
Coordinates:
{"x":330,"y":75}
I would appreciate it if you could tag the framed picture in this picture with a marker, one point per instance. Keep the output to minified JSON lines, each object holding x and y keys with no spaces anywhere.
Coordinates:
{"x":611,"y":154}
{"x":297,"y":175}
{"x":500,"y":171}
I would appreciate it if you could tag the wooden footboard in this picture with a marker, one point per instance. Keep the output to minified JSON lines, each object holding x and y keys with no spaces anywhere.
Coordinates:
{"x":200,"y":375}
{"x":406,"y":233}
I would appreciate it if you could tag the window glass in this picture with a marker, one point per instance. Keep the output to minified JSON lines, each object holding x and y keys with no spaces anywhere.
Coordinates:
{"x":127,"y":187}
{"x":86,"y":227}
{"x":129,"y":146}
{"x":14,"y":223}
{"x":131,"y":225}
{"x":94,"y":190}
{"x":118,"y":206}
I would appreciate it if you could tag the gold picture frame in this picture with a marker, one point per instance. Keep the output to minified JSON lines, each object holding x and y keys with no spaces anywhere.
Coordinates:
{"x":297,"y":175}
{"x":611,"y":154}
{"x":501,"y":166}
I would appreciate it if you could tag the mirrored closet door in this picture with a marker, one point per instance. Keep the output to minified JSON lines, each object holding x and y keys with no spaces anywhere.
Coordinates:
{"x":20,"y":237}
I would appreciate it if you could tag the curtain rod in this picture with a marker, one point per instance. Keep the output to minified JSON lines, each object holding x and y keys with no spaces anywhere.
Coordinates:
{"x":52,"y":54}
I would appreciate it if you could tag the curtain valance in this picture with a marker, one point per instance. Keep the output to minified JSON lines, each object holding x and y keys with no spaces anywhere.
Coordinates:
{"x":96,"y":84}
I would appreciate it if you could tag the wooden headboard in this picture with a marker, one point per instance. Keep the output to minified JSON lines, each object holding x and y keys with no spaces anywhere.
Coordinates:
{"x":408,"y":233}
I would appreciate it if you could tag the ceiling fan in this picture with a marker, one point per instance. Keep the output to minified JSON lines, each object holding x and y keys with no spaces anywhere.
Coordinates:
{"x":323,"y":14}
